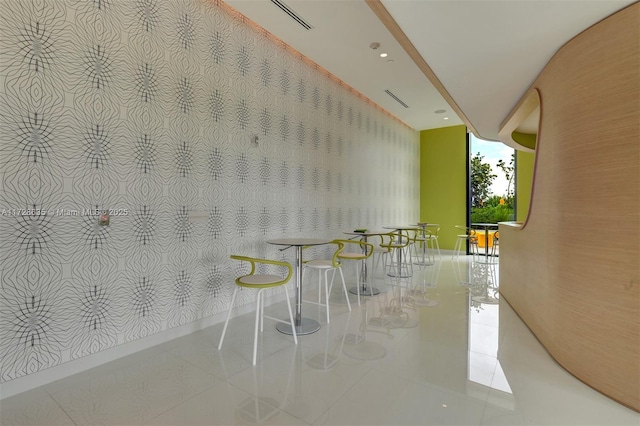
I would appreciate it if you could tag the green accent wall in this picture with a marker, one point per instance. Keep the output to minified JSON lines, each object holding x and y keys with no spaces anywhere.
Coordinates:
{"x":524,"y":181}
{"x":525,"y":139}
{"x":443,"y":180}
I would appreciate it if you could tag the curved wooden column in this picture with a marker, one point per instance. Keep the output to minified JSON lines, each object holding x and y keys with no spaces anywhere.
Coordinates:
{"x":571,"y":271}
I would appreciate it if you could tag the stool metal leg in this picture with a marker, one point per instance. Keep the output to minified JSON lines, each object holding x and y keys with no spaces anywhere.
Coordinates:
{"x":293,"y":328}
{"x":226,"y":322}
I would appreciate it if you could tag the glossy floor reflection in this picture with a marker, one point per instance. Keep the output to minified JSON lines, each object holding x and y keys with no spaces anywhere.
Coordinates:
{"x":440,"y":348}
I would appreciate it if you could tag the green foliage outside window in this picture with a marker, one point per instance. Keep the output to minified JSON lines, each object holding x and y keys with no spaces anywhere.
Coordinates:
{"x":485,"y":206}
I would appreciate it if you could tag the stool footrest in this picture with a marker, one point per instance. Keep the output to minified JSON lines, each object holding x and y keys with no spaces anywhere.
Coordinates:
{"x":314,"y":303}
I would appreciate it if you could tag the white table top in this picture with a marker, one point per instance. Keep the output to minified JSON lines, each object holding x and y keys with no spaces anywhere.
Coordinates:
{"x":485,"y":225}
{"x":400,"y":227}
{"x":299,"y":242}
{"x":367,"y":233}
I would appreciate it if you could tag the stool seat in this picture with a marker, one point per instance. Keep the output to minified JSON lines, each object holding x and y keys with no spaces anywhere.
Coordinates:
{"x":319,"y":264}
{"x":259,"y":280}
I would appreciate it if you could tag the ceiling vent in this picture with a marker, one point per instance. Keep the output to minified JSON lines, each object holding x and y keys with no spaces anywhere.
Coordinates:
{"x":397,"y":99}
{"x":286,"y":9}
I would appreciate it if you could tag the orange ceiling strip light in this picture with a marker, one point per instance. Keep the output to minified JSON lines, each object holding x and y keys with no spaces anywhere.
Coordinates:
{"x":260,"y":30}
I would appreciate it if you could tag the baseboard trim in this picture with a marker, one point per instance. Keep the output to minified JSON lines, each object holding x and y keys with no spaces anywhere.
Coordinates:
{"x":41,"y":378}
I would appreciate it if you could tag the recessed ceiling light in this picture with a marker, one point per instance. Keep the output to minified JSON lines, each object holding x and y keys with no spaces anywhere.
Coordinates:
{"x":440,"y":111}
{"x":446,"y":118}
{"x":383,"y":55}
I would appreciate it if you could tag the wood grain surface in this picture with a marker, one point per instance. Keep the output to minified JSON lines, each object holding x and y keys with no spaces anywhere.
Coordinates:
{"x":571,"y":271}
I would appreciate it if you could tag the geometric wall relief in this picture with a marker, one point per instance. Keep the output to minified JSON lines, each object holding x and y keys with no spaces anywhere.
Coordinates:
{"x":34,"y":327}
{"x":183,"y":275}
{"x":149,"y":108}
{"x":96,"y":313}
{"x":142,"y":310}
{"x":32,"y":119}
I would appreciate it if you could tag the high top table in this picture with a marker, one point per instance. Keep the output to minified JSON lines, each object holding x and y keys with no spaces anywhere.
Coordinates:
{"x":364,"y":290}
{"x":303,"y":325}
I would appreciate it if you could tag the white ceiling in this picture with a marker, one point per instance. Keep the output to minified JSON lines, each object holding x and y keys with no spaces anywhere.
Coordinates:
{"x":339,"y":42}
{"x":486,"y":53}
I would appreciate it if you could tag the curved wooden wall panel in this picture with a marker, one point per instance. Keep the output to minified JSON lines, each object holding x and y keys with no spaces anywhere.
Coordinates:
{"x":572,"y":270}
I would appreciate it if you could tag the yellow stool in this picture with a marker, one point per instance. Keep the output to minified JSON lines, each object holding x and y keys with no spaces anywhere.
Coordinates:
{"x":260,"y":282}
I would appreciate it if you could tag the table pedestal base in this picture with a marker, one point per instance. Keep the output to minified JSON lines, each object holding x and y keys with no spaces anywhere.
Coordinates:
{"x":426,"y":303}
{"x":400,"y":275}
{"x":306,"y":326}
{"x":425,"y":261}
{"x":365,"y":291}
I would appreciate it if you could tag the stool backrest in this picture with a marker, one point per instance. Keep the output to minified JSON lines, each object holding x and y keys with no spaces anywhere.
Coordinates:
{"x":365,"y":247}
{"x":398,"y":239}
{"x":254,"y":260}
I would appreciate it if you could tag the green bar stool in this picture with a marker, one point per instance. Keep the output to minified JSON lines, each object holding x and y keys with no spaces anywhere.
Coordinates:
{"x":260,"y":282}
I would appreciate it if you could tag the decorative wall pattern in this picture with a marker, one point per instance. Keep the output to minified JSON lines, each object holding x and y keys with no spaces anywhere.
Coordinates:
{"x":147,"y":108}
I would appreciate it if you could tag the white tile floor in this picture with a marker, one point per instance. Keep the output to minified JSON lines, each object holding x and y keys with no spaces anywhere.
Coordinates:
{"x":456,"y":355}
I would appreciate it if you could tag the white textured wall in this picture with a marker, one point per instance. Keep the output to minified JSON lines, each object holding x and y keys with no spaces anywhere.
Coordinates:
{"x":149,"y":107}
